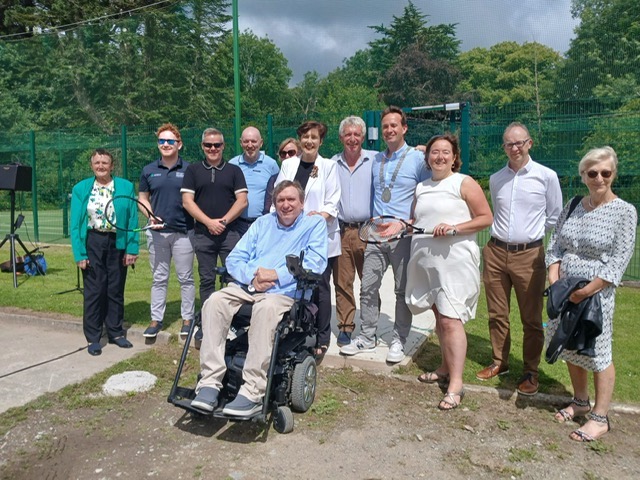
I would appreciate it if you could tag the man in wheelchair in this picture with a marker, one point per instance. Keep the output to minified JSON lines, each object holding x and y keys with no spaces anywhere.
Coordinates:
{"x":260,"y":275}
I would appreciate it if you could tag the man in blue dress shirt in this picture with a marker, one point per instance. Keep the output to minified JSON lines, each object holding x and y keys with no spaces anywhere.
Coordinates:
{"x":258,"y":266}
{"x":257,"y":168}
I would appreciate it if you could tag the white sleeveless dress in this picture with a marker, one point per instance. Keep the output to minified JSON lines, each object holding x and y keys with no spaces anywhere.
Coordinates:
{"x":443,"y":271}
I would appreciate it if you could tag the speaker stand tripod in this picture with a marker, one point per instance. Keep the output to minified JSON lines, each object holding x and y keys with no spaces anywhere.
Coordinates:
{"x":78,"y":288}
{"x":12,"y":238}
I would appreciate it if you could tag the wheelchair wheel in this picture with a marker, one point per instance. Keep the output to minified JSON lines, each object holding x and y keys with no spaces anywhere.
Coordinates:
{"x":303,"y":385}
{"x":283,"y":421}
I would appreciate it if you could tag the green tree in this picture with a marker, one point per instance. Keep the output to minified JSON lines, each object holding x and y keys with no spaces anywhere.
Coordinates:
{"x":407,"y":54}
{"x":509,"y":73}
{"x":606,"y":47}
{"x":264,"y":75}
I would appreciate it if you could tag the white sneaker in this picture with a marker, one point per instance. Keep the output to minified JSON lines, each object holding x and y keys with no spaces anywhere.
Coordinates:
{"x":396,"y":351}
{"x":358,"y":345}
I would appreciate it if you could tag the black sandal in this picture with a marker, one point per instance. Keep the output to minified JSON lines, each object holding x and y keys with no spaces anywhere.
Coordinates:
{"x":563,"y":415}
{"x":582,"y":436}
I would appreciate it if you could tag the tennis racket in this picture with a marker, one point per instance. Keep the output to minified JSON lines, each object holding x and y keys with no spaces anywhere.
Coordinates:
{"x":387,"y":228}
{"x":136,"y":218}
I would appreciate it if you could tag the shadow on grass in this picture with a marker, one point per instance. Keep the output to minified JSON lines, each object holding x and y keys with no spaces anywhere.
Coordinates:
{"x":479,"y":356}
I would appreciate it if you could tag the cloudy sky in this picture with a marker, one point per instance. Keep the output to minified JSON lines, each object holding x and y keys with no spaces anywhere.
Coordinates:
{"x":320,"y":34}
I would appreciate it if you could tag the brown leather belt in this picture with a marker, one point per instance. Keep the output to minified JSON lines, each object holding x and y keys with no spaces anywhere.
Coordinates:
{"x":515,"y":247}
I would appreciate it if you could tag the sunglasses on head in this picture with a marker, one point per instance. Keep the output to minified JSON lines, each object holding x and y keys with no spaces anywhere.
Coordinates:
{"x":604,"y":173}
{"x":287,"y":153}
{"x":170,"y":141}
{"x":212,"y":145}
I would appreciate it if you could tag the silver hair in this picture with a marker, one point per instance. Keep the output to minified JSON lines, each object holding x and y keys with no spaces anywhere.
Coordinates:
{"x":212,"y":131}
{"x":353,"y":121}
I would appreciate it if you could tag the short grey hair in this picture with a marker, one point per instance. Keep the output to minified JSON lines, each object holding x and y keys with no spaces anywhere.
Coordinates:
{"x":352,"y":121}
{"x":597,"y":155}
{"x":212,"y":131}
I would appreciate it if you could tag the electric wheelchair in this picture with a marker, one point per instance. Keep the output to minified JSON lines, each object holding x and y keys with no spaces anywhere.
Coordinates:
{"x":291,"y":377}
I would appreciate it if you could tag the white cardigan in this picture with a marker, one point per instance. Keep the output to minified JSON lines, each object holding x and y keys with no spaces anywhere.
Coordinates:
{"x":322,"y":194}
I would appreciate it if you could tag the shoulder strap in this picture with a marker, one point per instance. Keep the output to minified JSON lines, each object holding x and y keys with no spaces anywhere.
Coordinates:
{"x":574,"y":204}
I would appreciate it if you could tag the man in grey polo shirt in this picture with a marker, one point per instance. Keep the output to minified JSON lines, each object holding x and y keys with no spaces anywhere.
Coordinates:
{"x":395,"y":173}
{"x":257,"y":168}
{"x":354,"y":171}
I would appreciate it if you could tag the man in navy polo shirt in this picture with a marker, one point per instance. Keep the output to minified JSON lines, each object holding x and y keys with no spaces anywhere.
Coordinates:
{"x":215,"y":194}
{"x":257,"y":168}
{"x":159,"y":190}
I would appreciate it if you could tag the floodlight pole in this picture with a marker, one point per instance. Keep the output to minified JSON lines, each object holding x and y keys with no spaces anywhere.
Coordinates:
{"x":236,"y":73}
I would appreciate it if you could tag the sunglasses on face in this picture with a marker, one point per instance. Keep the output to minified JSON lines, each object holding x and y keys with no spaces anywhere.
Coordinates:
{"x":170,"y":141}
{"x":212,"y":145}
{"x":604,"y":173}
{"x":287,"y":153}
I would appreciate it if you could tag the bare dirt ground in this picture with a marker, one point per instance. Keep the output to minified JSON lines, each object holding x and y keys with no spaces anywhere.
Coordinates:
{"x":361,"y":426}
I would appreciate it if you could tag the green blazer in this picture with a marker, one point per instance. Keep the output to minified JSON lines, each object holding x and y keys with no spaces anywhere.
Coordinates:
{"x":127,"y":241}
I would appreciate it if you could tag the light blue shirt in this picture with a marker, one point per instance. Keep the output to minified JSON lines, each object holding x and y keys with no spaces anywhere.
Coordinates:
{"x":411,"y":173}
{"x":355,"y":187}
{"x":257,"y":175}
{"x":267,"y":243}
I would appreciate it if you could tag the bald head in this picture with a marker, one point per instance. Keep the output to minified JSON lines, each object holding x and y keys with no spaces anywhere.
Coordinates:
{"x":251,"y":142}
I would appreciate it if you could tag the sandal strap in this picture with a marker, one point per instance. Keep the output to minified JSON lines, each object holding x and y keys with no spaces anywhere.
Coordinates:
{"x":604,"y":419}
{"x":581,"y":403}
{"x":583,"y":436}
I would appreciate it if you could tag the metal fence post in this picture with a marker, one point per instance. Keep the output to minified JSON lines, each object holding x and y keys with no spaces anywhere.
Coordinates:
{"x":270,"y":144}
{"x":465,"y":135}
{"x":34,"y":184}
{"x":123,"y":146}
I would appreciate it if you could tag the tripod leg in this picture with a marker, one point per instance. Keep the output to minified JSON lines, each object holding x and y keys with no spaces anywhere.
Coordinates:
{"x":12,"y":249}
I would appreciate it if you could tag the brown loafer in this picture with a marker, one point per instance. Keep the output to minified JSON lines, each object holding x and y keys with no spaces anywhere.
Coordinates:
{"x":491,"y":371}
{"x":528,"y":384}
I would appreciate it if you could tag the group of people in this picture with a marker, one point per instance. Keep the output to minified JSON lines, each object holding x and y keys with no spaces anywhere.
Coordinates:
{"x":250,"y":212}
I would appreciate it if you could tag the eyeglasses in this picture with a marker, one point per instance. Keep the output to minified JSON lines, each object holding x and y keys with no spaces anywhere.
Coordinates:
{"x":212,"y":145}
{"x":518,"y":144}
{"x":170,"y":141}
{"x":604,"y":173}
{"x":287,"y":153}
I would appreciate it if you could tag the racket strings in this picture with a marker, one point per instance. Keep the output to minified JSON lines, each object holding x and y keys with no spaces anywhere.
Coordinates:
{"x":381,"y":230}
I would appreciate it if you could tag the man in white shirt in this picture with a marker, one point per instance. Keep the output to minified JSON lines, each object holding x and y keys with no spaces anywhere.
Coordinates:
{"x":527,"y":201}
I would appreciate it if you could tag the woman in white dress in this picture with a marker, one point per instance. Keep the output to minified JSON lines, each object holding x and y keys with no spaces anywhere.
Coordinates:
{"x":319,"y":179}
{"x":595,"y":242}
{"x":444,"y":270}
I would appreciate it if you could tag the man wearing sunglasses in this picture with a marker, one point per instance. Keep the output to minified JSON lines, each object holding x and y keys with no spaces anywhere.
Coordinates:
{"x":527,"y":201}
{"x":257,"y":168}
{"x":160,"y":183}
{"x":215,"y":194}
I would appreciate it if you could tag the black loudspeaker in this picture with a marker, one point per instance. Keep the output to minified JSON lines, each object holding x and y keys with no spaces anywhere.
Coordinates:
{"x":15,"y":177}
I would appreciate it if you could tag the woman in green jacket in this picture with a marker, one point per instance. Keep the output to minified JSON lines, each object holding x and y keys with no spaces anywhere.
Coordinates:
{"x":102,"y":252}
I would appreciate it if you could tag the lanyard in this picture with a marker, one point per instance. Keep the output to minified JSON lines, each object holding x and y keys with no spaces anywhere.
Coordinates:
{"x":386,"y":191}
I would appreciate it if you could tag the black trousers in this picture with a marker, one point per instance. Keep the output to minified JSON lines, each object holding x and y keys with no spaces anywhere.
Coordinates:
{"x":208,"y":248}
{"x":104,"y":282}
{"x":323,"y":300}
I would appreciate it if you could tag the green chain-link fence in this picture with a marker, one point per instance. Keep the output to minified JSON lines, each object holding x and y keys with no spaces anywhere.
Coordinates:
{"x":562,"y":132}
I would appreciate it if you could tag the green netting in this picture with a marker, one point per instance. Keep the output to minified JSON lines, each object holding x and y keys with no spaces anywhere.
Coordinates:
{"x":562,"y":133}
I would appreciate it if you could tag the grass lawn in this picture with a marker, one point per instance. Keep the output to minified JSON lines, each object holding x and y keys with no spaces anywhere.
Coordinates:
{"x":39,"y":293}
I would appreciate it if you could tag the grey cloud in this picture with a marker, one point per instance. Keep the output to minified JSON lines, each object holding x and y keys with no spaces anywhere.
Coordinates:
{"x":319,"y":35}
